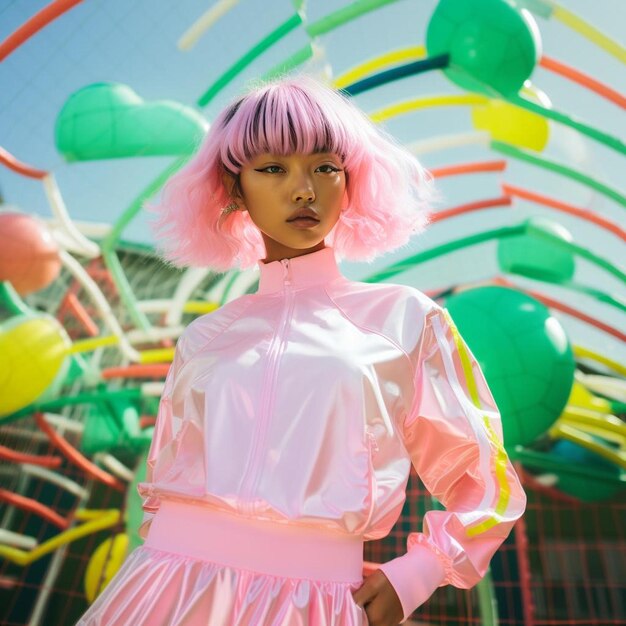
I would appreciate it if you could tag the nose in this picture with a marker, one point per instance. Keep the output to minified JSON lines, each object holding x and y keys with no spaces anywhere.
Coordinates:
{"x":303,"y":190}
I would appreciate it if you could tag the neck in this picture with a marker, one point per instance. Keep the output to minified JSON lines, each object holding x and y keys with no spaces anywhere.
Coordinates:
{"x":305,"y":270}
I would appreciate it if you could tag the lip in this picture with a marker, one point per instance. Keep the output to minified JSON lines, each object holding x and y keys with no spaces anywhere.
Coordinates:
{"x":303,"y":223}
{"x":304,"y":212}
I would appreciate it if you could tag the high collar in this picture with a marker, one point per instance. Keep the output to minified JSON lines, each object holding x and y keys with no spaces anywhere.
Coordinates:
{"x":301,"y":271}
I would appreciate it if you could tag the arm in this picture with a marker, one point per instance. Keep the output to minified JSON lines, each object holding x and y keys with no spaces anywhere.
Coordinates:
{"x":453,"y":435}
{"x":165,"y":429}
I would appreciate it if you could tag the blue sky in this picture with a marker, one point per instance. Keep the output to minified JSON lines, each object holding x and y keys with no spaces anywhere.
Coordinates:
{"x":134,"y":43}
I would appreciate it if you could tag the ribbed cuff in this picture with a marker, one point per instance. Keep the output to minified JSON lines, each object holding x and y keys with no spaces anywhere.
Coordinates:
{"x":414,"y":576}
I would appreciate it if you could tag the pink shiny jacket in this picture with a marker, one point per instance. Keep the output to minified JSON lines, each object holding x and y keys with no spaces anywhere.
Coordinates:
{"x":309,"y":400}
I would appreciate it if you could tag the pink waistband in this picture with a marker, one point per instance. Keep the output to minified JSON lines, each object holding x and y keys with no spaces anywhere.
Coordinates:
{"x":286,"y":550}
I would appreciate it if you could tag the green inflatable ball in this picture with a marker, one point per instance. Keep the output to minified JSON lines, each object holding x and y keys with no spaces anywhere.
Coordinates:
{"x":542,"y":259}
{"x":493,"y":46}
{"x":524,"y":353}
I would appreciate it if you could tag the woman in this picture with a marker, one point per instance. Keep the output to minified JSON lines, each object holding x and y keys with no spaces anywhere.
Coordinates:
{"x":290,"y":417}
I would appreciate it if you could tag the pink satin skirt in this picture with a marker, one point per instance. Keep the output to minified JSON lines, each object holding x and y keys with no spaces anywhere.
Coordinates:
{"x":204,"y":567}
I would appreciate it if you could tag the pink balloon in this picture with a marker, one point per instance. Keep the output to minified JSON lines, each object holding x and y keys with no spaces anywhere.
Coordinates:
{"x":29,"y":256}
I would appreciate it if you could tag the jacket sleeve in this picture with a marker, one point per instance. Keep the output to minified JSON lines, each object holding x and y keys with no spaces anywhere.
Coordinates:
{"x":453,"y":434}
{"x":163,"y":440}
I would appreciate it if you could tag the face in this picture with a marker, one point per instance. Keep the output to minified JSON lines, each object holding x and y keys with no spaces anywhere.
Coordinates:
{"x":274,"y":187}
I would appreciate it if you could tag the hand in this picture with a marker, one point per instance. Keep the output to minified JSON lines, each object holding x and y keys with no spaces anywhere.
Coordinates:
{"x":380,"y":600}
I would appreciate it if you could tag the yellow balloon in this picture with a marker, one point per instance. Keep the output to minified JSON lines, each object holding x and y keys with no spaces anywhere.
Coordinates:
{"x":32,"y":350}
{"x":511,"y":124}
{"x":103,"y":565}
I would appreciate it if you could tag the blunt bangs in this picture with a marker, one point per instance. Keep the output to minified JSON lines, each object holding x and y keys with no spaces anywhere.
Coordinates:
{"x":282,"y":122}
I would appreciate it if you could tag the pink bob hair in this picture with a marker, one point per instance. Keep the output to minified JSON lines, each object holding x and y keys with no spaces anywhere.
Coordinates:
{"x":388,"y":191}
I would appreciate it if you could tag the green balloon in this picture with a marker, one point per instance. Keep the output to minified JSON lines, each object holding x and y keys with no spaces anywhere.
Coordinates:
{"x":109,"y":120}
{"x":534,"y":257}
{"x":493,"y":47}
{"x":524,"y":354}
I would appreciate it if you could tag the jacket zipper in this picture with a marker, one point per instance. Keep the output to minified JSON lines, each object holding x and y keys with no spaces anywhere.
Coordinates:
{"x":251,"y":474}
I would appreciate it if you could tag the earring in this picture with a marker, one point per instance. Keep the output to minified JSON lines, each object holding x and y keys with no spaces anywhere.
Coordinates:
{"x":233,"y":206}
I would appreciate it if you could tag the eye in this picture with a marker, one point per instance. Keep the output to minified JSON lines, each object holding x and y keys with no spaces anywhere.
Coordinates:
{"x":328,"y":168}
{"x":271,"y":169}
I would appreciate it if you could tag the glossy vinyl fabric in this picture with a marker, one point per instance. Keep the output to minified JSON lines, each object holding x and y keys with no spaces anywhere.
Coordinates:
{"x":305,"y":404}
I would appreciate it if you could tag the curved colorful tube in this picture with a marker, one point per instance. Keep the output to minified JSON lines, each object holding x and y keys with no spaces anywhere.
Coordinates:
{"x":67,"y":228}
{"x":506,"y":231}
{"x":84,"y":246}
{"x":64,"y":482}
{"x":185,"y":287}
{"x":79,"y":312}
{"x":11,"y":301}
{"x":15,"y":539}
{"x":115,"y":466}
{"x":136,"y":371}
{"x":600,"y":136}
{"x":75,"y":457}
{"x":191,"y":36}
{"x":157,"y":356}
{"x":445,"y":248}
{"x":551,"y":465}
{"x":490,"y":203}
{"x":587,"y":30}
{"x":612,"y":427}
{"x":584,"y":80}
{"x":12,"y":456}
{"x":79,"y":273}
{"x":387,"y":76}
{"x":445,"y":142}
{"x":8,"y":160}
{"x":587,"y":353}
{"x":343,"y":16}
{"x":476,"y":167}
{"x":426,"y":102}
{"x":199,"y":307}
{"x":278,"y":33}
{"x":291,"y":62}
{"x":561,"y":430}
{"x":612,"y":387}
{"x":387,"y":59}
{"x":112,"y":239}
{"x":34,"y":25}
{"x":315,"y":29}
{"x":33,"y":506}
{"x":558,"y":168}
{"x":104,"y":519}
{"x":585,"y":214}
{"x":564,"y":308}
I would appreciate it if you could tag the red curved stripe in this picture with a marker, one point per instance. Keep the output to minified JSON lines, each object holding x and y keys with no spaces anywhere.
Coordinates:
{"x":158,"y":370}
{"x":583,"y":79}
{"x":74,"y":456}
{"x":28,"y":504}
{"x":584,"y":214}
{"x":6,"y":454}
{"x":34,"y":25}
{"x":472,"y":206}
{"x":469,"y":168}
{"x":564,"y":308}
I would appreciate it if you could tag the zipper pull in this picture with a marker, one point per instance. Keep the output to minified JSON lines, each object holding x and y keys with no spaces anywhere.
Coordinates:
{"x":287,"y":271}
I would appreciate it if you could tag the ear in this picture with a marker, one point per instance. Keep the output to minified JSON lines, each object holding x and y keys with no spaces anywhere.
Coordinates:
{"x":230,"y":184}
